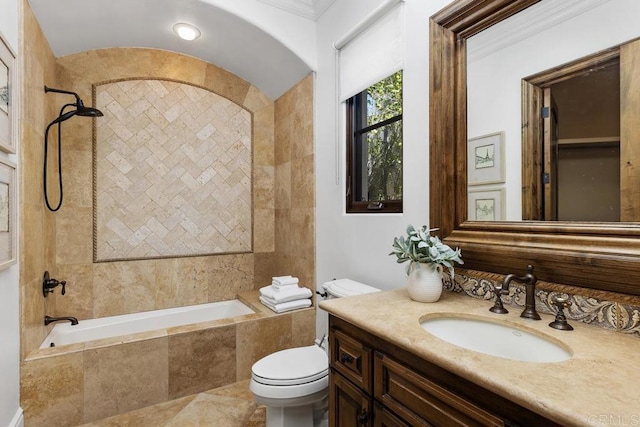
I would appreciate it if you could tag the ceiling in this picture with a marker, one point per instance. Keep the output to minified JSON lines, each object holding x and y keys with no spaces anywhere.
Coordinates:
{"x":230,"y":39}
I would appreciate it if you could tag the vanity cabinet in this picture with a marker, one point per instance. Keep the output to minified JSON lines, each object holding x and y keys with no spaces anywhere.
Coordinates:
{"x":375,"y":383}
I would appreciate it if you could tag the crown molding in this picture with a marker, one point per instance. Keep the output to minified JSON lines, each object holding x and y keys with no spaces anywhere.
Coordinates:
{"x":525,"y":24}
{"x":310,"y":9}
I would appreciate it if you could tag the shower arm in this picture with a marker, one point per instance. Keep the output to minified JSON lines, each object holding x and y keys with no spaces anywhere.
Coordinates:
{"x":67,"y":92}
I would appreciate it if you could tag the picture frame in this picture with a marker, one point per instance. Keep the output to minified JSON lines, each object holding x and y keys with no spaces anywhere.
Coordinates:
{"x":485,"y":159}
{"x":7,"y":214}
{"x":486,"y":204}
{"x":8,"y":88}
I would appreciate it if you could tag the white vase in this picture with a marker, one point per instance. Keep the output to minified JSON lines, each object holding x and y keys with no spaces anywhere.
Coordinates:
{"x":425,"y":282}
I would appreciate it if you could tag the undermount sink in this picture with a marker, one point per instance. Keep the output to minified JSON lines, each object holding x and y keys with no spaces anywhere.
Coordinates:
{"x":495,"y":339}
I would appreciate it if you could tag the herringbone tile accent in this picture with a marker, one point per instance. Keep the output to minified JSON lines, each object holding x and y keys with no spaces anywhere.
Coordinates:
{"x":173,"y":172}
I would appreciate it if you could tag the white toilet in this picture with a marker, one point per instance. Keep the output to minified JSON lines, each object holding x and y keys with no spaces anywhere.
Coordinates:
{"x":294,"y":384}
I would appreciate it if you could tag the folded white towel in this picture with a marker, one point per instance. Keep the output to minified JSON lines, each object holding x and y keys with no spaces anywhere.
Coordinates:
{"x":290,"y":293}
{"x":278,"y":278}
{"x":279,"y":288}
{"x":286,"y":306}
{"x":274,"y":301}
{"x":284,"y":281}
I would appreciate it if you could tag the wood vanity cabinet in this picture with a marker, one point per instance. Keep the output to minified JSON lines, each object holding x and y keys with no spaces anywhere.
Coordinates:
{"x":373,"y":383}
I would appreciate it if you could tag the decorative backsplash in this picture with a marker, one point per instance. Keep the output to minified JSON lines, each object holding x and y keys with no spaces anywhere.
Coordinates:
{"x":172,"y":172}
{"x":598,"y":308}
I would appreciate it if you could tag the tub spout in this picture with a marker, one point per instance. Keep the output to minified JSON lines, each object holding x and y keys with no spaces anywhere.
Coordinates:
{"x":48,"y":319}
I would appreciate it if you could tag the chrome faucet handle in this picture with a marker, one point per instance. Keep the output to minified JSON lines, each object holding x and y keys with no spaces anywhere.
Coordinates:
{"x":560,"y":321}
{"x":498,"y":307}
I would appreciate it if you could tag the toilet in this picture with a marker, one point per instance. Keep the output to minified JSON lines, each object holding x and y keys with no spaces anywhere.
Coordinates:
{"x":294,"y":384}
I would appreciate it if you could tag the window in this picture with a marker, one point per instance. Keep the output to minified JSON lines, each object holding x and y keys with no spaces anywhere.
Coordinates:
{"x":374,"y":148}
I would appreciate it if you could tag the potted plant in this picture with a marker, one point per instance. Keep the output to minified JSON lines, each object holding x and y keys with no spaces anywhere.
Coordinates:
{"x":427,"y":257}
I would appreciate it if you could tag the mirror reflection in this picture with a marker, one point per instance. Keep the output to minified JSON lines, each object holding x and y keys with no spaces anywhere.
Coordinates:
{"x":570,"y":62}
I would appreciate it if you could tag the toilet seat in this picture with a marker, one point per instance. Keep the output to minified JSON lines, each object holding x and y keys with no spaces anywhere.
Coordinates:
{"x":294,"y":366}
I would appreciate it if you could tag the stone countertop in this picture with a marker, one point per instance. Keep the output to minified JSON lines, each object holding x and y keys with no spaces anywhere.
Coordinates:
{"x":598,"y":385}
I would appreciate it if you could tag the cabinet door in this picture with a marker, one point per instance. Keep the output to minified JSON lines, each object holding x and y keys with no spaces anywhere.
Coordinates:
{"x":422,"y":402}
{"x":352,"y":359}
{"x":384,"y":418}
{"x":349,"y":407}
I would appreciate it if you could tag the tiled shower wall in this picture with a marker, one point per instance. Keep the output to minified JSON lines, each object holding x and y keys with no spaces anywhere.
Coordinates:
{"x":173,"y":172}
{"x":111,"y":288}
{"x":295,"y":245}
{"x":37,"y":225}
{"x":61,"y":242}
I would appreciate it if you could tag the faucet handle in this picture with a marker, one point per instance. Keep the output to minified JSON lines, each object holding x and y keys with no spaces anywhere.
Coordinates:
{"x":48,"y":284}
{"x":560,"y":321}
{"x":498,"y":307}
{"x":560,"y":302}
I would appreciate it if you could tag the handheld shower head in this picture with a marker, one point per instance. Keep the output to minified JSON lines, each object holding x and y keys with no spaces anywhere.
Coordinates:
{"x":80,"y":110}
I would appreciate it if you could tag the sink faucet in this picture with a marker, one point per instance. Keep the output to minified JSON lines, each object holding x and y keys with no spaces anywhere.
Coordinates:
{"x":48,"y":319}
{"x":529,"y":280}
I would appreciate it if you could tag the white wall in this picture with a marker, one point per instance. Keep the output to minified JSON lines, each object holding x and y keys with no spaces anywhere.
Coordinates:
{"x":494,"y":82}
{"x":356,"y":245}
{"x":10,"y":412}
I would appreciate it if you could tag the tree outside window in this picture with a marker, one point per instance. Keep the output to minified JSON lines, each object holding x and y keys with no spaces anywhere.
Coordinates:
{"x":374,"y":136}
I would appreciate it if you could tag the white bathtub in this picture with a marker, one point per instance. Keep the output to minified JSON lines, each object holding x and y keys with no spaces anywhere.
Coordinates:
{"x":107,"y":327}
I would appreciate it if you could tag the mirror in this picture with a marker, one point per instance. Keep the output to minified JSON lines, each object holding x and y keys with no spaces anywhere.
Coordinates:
{"x":580,"y":179}
{"x":598,"y":255}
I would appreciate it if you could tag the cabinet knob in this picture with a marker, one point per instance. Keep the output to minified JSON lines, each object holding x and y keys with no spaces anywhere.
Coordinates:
{"x":363,"y":417}
{"x":345,"y":358}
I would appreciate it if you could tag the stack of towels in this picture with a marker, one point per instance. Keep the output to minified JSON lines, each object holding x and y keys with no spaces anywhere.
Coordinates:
{"x":284,"y":294}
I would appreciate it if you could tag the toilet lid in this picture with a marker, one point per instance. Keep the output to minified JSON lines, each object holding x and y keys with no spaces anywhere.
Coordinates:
{"x":347,"y":287}
{"x":292,"y":366}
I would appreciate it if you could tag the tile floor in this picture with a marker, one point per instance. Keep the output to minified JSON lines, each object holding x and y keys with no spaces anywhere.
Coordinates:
{"x":229,"y":406}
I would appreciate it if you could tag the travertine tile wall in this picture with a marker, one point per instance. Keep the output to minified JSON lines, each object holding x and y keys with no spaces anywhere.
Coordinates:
{"x":111,"y":288}
{"x":61,"y":242}
{"x":37,"y":225}
{"x":295,"y":183}
{"x":172,"y":172}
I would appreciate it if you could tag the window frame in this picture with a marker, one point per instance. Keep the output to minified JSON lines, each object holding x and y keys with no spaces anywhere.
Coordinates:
{"x":356,"y":113}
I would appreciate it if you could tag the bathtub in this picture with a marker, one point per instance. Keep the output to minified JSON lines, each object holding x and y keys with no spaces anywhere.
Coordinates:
{"x":126,"y":324}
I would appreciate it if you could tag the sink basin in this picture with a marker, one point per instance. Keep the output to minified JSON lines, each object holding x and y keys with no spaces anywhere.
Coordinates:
{"x":495,"y":339}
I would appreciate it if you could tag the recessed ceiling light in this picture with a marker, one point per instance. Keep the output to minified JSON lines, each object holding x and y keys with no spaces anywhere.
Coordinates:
{"x":186,"y":31}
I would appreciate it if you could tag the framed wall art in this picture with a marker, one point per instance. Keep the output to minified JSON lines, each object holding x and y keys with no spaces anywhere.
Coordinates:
{"x":7,"y":214}
{"x":485,"y":159}
{"x":7,"y":92}
{"x":486,"y":205}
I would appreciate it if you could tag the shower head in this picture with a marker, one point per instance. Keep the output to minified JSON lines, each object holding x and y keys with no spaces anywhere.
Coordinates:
{"x":88,"y":112}
{"x":80,"y":110}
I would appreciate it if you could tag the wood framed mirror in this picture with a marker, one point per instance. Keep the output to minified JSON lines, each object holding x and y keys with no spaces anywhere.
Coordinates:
{"x":603,"y":256}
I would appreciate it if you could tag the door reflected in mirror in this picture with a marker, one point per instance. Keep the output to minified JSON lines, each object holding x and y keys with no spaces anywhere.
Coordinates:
{"x":565,"y":100}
